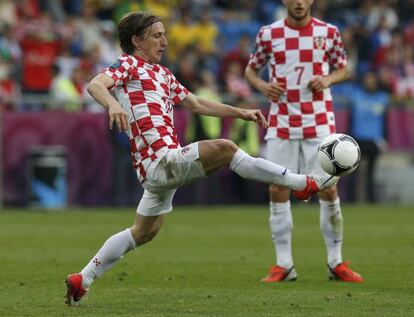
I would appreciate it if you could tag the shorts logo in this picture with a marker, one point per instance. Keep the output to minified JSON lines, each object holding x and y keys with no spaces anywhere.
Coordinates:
{"x":319,"y":42}
{"x":185,"y":150}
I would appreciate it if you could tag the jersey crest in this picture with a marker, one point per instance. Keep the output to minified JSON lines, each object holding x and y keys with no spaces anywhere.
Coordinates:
{"x":320,"y":42}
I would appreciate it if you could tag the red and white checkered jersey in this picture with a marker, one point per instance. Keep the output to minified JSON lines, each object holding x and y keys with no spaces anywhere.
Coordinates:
{"x":295,"y":55}
{"x":147,"y":92}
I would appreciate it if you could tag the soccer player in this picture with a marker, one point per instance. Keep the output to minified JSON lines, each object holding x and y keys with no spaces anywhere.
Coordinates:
{"x":305,"y":56}
{"x":146,"y":94}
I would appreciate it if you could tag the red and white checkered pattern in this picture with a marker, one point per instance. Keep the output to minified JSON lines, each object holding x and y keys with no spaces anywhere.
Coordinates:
{"x":147,"y":92}
{"x":294,"y":56}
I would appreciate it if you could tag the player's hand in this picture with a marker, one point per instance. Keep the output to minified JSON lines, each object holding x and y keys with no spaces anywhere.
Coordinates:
{"x":255,"y":115}
{"x":118,"y":116}
{"x":319,"y":83}
{"x":272,"y":91}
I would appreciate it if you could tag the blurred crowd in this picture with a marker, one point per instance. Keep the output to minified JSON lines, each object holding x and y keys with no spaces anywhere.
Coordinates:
{"x":50,"y":49}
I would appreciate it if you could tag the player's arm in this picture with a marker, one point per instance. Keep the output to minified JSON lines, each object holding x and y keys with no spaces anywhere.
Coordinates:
{"x":98,"y":88}
{"x":271,"y":90}
{"x":216,"y":109}
{"x":319,"y":83}
{"x":338,"y":61}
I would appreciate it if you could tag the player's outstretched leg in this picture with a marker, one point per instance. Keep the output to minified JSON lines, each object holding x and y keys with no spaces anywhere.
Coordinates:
{"x":143,"y":231}
{"x":214,"y":154}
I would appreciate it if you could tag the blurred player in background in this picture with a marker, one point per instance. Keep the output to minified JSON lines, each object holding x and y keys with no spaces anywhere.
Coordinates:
{"x":305,"y":56}
{"x":146,"y":93}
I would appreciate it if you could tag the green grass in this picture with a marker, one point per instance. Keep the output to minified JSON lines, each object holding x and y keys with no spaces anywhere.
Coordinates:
{"x":206,"y":262}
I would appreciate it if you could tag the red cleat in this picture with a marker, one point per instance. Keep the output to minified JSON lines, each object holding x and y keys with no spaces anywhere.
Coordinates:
{"x":75,"y":290}
{"x":279,"y":274}
{"x":343,"y":273}
{"x":314,"y":184}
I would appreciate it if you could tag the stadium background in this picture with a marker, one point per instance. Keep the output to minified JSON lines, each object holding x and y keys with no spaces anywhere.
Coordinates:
{"x":54,"y":134}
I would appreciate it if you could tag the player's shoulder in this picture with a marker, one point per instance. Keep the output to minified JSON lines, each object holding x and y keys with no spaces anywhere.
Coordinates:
{"x":277,"y":24}
{"x":124,"y":60}
{"x":332,"y":28}
{"x":165,"y":70}
{"x":266,"y":30}
{"x":274,"y":25}
{"x":329,"y":29}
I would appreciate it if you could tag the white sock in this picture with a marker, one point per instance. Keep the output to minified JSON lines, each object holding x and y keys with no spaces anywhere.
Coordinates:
{"x":265,"y":171}
{"x":111,"y":252}
{"x":331,"y":226}
{"x":281,"y":226}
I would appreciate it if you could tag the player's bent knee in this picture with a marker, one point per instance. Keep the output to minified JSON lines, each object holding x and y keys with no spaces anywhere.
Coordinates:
{"x":225,"y":147}
{"x":145,"y":238}
{"x":142,"y":236}
{"x":329,"y":194}
{"x":232,"y":146}
{"x":278,"y":193}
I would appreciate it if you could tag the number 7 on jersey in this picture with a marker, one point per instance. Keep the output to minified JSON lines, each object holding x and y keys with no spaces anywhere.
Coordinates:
{"x":299,"y":70}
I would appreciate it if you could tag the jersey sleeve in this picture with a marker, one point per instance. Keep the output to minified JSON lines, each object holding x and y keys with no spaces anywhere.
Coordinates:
{"x":177,"y":91}
{"x":261,"y":50}
{"x":120,"y":70}
{"x":337,"y":54}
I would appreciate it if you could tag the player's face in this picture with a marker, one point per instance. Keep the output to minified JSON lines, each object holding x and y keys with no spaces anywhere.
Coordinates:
{"x":298,"y":9}
{"x":370,"y":81}
{"x":152,"y":45}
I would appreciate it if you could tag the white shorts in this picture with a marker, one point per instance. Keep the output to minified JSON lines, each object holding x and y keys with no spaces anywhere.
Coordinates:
{"x":177,"y":168}
{"x":299,"y":156}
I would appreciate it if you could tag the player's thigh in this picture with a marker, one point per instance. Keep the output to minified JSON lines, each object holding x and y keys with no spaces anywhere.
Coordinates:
{"x":155,"y":201}
{"x":284,"y":152}
{"x":215,"y":154}
{"x":308,"y":159}
{"x":179,"y":167}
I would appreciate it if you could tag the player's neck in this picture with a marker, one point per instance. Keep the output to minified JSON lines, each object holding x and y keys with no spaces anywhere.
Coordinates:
{"x":142,"y":56}
{"x":298,"y":23}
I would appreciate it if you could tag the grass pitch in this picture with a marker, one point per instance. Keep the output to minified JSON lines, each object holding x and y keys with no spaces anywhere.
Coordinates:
{"x":206,"y":262}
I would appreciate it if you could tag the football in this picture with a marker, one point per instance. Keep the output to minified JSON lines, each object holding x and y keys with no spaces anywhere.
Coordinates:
{"x":339,"y":154}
